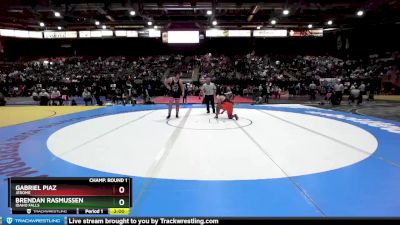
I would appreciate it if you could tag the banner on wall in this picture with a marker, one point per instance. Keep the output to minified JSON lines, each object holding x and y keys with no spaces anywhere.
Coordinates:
{"x":239,"y":33}
{"x":60,"y":34}
{"x":270,"y":33}
{"x":216,"y":33}
{"x":149,"y":33}
{"x":306,"y":33}
{"x":126,"y":33}
{"x":228,"y":33}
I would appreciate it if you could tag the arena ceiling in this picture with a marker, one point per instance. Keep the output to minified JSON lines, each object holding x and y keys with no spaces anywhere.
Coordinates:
{"x":229,"y":14}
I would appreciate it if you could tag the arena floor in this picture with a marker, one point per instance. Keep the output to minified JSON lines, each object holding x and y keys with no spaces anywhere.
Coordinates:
{"x":276,"y":160}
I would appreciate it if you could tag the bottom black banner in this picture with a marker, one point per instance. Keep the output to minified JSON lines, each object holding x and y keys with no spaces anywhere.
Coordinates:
{"x":222,"y":221}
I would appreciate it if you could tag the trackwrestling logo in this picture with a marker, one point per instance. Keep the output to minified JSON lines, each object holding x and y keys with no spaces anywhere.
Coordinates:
{"x":16,"y":221}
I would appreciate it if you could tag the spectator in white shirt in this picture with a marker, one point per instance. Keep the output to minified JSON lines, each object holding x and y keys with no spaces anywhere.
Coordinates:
{"x":313,"y":90}
{"x":362,"y":88}
{"x":56,"y":96}
{"x":35,"y":96}
{"x":338,"y":88}
{"x":355,"y":94}
{"x":44,"y":97}
{"x":87,"y":97}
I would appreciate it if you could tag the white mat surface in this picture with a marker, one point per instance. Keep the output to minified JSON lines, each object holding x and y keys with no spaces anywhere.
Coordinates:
{"x":262,"y":144}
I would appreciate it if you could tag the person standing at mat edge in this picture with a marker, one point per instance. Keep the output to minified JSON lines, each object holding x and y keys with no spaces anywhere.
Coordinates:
{"x":176,"y":90}
{"x":209,"y":90}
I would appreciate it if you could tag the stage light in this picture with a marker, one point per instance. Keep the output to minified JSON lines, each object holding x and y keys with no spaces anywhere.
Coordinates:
{"x":214,"y":23}
{"x":360,"y":13}
{"x":273,"y":22}
{"x":57,"y":14}
{"x":132,"y":13}
{"x":209,"y":12}
{"x":285,"y":12}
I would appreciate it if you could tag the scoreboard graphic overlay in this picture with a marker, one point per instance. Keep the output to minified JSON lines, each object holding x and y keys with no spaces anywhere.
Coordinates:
{"x":289,"y":160}
{"x":69,"y":195}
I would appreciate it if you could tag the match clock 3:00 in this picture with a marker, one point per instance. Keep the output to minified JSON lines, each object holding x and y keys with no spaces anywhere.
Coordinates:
{"x":119,"y":211}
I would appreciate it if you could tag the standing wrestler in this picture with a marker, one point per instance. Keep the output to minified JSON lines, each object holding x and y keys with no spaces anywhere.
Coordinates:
{"x":176,"y":89}
{"x":225,"y":103}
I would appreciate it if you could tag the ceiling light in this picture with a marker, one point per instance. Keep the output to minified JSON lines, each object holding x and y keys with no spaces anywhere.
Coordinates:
{"x":132,"y":13}
{"x":57,"y":14}
{"x":149,"y":23}
{"x":285,"y":12}
{"x":310,"y":26}
{"x":330,"y":22}
{"x":214,"y":23}
{"x":273,"y":22}
{"x":209,"y":12}
{"x":97,"y":23}
{"x":41,"y":24}
{"x":258,"y":27}
{"x":104,"y":27}
{"x":360,"y":13}
{"x":156,"y":27}
{"x":59,"y":28}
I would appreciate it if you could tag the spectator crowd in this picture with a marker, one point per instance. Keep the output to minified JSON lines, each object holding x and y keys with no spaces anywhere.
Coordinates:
{"x":123,"y":78}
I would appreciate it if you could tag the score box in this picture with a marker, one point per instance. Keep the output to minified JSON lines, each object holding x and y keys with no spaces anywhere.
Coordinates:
{"x":70,"y":193}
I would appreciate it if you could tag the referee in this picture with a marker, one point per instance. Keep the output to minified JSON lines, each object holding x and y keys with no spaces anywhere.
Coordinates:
{"x":209,"y":90}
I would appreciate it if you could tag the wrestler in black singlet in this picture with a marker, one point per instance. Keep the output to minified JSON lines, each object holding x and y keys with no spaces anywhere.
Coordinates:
{"x":175,"y":91}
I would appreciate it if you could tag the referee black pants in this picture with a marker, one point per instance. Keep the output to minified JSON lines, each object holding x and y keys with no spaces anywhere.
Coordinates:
{"x":209,"y":99}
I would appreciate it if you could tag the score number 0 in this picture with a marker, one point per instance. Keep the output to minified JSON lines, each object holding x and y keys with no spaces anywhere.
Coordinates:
{"x":121,"y":190}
